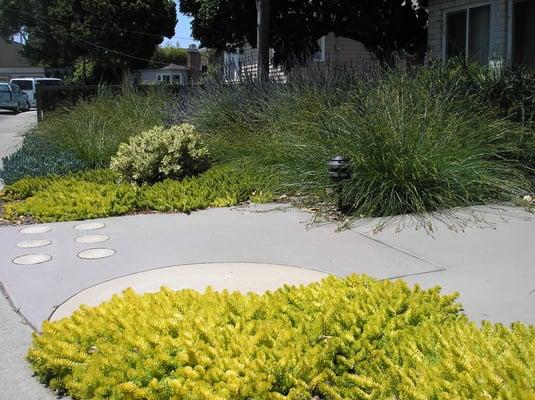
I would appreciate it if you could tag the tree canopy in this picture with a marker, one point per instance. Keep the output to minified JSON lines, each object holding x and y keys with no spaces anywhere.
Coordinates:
{"x":383,"y":26}
{"x":169,"y":55}
{"x":113,"y":34}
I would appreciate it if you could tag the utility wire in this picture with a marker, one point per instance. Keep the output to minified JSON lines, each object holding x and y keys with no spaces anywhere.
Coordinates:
{"x":100,"y":28}
{"x":96,"y":45}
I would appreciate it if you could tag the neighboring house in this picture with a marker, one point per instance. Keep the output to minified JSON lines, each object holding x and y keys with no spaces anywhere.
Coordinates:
{"x":333,"y":49}
{"x":488,"y":31}
{"x":172,"y":74}
{"x":13,"y":65}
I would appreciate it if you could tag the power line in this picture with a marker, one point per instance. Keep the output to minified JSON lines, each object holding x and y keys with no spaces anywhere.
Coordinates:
{"x":101,"y":28}
{"x":96,"y":45}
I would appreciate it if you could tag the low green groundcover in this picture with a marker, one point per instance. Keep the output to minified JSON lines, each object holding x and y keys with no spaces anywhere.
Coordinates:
{"x":353,"y":338}
{"x":98,"y":193}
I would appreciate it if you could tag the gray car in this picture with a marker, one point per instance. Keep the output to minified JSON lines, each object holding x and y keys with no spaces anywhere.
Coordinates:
{"x":12,"y":98}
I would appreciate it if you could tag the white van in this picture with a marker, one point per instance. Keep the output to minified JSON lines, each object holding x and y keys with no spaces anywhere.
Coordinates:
{"x":29,"y":86}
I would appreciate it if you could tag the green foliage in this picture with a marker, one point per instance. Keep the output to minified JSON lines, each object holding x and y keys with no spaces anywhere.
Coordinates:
{"x":220,"y":186}
{"x":59,"y":32}
{"x":27,"y":187}
{"x":161,"y":153}
{"x":415,"y":144}
{"x":383,"y":27}
{"x":93,"y":129}
{"x":352,"y":338}
{"x":97,"y":193}
{"x":417,"y":151}
{"x":71,"y":199}
{"x":510,"y":89}
{"x":169,"y":55}
{"x":38,"y":157}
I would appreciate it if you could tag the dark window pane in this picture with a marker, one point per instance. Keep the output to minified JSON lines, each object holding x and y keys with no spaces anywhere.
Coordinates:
{"x":456,"y":34}
{"x":478,"y":41}
{"x":23,"y":84}
{"x":524,"y":33}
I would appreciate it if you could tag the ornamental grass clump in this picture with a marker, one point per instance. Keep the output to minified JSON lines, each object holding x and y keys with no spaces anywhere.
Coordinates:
{"x":161,"y":153}
{"x":416,"y":144}
{"x":352,"y":338}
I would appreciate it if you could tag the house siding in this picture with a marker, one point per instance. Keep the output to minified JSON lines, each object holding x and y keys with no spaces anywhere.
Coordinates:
{"x":344,"y":51}
{"x":499,"y":28}
{"x":338,"y":50}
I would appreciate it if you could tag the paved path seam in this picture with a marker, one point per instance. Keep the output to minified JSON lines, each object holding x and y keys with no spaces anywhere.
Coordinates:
{"x":439,"y":268}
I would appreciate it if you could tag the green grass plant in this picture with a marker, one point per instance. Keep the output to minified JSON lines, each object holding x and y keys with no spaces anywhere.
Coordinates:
{"x":93,"y":129}
{"x":416,"y":145}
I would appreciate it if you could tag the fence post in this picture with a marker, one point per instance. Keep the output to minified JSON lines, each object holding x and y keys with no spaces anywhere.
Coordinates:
{"x":39,"y":103}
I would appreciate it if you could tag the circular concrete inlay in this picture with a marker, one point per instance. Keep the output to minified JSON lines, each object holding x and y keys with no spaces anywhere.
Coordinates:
{"x":95,"y":254}
{"x":33,"y":230}
{"x":243,"y":277}
{"x":32,"y":244}
{"x":32,"y":259}
{"x":92,"y":239}
{"x":89,"y":226}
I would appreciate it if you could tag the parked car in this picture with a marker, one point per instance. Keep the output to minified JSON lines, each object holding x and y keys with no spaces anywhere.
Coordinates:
{"x":29,"y":86}
{"x":12,"y":98}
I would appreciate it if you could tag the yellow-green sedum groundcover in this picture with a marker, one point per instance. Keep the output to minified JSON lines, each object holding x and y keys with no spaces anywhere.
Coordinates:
{"x":353,"y":338}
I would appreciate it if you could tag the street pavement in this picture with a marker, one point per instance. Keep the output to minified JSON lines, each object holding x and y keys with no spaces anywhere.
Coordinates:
{"x":12,"y":126}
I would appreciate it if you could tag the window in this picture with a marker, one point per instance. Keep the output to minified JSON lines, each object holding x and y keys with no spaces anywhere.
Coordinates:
{"x":524,"y":32}
{"x":23,"y":84}
{"x":164,"y":78}
{"x":467,"y":33}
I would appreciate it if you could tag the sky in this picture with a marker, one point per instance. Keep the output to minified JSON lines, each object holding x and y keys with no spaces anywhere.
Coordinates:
{"x":182,"y":31}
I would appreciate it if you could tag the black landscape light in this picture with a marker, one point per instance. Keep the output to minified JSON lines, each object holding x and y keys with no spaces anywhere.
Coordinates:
{"x":339,"y":168}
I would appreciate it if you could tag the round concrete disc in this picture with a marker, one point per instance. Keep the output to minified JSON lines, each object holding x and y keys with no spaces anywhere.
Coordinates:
{"x":95,"y":254}
{"x":32,"y":259}
{"x":92,"y":239}
{"x":32,"y":244}
{"x":89,"y":226}
{"x":243,"y":277}
{"x":33,"y":230}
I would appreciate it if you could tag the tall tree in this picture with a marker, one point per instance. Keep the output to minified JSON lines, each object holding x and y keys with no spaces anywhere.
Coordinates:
{"x":115,"y":35}
{"x":383,"y":26}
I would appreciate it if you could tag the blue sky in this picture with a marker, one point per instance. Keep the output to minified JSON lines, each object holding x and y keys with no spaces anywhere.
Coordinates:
{"x":182,"y":31}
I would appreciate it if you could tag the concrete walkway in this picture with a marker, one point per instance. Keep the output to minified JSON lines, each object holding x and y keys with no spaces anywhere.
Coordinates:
{"x":491,"y":262}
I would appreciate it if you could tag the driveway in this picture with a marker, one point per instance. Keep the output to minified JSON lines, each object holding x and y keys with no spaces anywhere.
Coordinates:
{"x":11,"y":129}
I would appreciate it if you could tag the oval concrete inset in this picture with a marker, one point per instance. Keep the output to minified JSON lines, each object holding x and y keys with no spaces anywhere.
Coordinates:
{"x":95,"y":254}
{"x":33,"y":230}
{"x":89,"y":226}
{"x":32,"y":259}
{"x":32,"y":244}
{"x":243,"y":277}
{"x":92,"y":239}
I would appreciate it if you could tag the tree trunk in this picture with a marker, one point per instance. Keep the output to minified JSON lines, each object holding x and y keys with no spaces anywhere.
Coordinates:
{"x":262,"y":38}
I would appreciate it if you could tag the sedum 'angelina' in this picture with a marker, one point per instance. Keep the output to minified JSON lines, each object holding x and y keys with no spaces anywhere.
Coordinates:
{"x":353,"y":338}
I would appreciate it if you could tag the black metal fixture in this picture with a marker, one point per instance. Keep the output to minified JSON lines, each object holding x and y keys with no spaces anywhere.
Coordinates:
{"x":340,"y":170}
